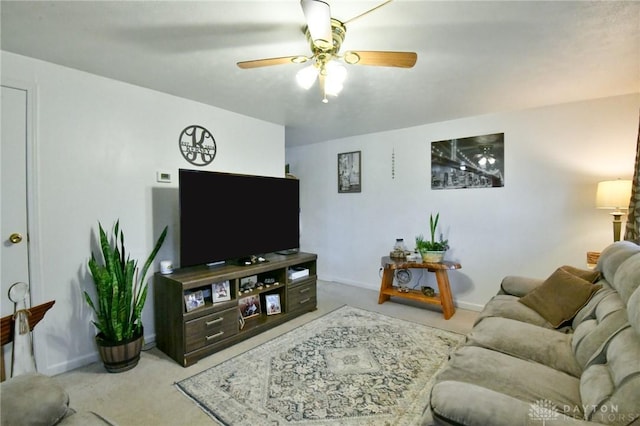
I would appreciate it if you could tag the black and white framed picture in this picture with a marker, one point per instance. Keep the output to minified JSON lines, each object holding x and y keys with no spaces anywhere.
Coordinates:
{"x":471,"y":162}
{"x":349,"y":172}
{"x":220,"y":292}
{"x":273,"y":304}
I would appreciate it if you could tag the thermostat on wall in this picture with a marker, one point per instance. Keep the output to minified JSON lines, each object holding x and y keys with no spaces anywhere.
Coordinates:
{"x":164,"y":177}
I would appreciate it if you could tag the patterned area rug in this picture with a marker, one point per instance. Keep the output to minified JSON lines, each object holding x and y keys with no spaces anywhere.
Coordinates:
{"x":349,"y":367}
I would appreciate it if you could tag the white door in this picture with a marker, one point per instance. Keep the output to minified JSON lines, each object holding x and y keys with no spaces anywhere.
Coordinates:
{"x":14,"y":259}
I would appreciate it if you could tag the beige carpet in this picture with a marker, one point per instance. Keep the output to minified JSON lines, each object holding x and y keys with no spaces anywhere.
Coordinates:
{"x":146,"y":395}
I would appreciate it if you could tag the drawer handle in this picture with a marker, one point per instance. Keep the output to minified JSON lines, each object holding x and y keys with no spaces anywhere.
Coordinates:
{"x":304,"y":290}
{"x":302,"y":302}
{"x":215,"y":321}
{"x":213,"y":336}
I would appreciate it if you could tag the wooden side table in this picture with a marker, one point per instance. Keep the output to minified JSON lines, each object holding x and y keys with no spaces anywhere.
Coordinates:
{"x":443,"y":298}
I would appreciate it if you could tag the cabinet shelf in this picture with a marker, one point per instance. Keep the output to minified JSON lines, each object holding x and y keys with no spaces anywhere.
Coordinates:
{"x":189,"y":335}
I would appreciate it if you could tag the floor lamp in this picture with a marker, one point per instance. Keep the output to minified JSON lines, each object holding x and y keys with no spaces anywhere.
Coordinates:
{"x":616,"y":195}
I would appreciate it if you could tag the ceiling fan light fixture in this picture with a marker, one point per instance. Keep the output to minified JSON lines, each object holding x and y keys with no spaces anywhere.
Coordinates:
{"x":325,"y":36}
{"x":333,"y":88}
{"x":318,"y":16}
{"x":307,"y":76}
{"x":335,"y":75}
{"x":351,"y":58}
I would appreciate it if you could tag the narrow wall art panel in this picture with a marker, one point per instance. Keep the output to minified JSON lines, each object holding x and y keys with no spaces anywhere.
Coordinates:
{"x":349,"y":172}
{"x":472,"y":162}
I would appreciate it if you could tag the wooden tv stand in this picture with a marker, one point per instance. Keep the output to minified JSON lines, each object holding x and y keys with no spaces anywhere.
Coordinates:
{"x":187,"y":336}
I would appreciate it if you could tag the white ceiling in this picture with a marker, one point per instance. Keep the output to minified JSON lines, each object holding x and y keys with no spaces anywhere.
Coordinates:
{"x":474,"y":57}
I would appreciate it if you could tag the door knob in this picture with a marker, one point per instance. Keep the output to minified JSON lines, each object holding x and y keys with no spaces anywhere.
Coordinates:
{"x":15,"y":238}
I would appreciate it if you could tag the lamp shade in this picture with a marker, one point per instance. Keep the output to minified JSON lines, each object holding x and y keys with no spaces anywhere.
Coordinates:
{"x":613,"y":194}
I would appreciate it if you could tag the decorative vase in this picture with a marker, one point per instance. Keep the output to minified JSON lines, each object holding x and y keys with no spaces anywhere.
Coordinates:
{"x":120,"y":356}
{"x":432,"y":256}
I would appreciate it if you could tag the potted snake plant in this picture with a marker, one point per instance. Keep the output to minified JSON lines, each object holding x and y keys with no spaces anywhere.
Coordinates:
{"x":120,"y":296}
{"x":432,"y":250}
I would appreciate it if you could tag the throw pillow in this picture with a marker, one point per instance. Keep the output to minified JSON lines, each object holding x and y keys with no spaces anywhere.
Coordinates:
{"x":590,"y":275}
{"x":560,"y":297}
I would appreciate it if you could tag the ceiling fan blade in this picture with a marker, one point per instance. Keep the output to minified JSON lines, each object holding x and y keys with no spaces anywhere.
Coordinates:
{"x":256,"y":63}
{"x":367,"y":12}
{"x":318,"y":16}
{"x":381,"y":59}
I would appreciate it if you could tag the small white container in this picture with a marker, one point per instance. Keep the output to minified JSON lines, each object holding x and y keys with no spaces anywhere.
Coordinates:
{"x":166,"y":267}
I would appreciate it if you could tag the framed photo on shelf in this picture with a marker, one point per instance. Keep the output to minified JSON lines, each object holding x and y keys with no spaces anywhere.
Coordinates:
{"x":248,"y":283}
{"x":273,"y":304}
{"x":193,"y":300}
{"x":349,"y":172}
{"x":221,"y":291}
{"x":249,"y":306}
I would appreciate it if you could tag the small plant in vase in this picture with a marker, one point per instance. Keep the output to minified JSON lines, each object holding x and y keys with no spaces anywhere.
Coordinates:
{"x":432,"y":250}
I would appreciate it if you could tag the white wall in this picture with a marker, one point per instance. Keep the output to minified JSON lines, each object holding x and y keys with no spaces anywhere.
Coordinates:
{"x":542,"y":218}
{"x":98,"y":145}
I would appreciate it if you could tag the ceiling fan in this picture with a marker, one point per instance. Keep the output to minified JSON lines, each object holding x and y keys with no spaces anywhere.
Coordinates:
{"x":325,"y":36}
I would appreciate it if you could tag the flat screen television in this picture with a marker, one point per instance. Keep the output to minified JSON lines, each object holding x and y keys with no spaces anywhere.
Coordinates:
{"x":226,"y":217}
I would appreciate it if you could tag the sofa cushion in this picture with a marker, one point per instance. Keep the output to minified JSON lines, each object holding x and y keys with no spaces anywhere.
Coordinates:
{"x":529,"y":342}
{"x":481,"y":406}
{"x":484,"y":407}
{"x":506,"y":306}
{"x":560,"y":297}
{"x":588,"y":312}
{"x":590,"y":335}
{"x":520,"y":379}
{"x":610,"y":385}
{"x":613,"y":256}
{"x":633,"y":310}
{"x":626,"y":279}
{"x":51,"y":406}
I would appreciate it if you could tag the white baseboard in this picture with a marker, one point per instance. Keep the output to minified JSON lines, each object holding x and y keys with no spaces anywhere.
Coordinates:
{"x":63,"y":367}
{"x":458,"y":303}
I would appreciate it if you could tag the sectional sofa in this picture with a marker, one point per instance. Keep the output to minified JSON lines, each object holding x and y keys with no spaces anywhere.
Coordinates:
{"x":564,"y":350}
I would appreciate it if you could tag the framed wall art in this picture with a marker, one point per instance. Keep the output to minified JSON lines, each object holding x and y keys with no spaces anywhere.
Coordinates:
{"x":472,"y":162}
{"x":349,"y":172}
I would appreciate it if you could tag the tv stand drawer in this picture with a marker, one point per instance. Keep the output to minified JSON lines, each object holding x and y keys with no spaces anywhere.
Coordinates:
{"x":302,"y":297}
{"x":210,"y":329}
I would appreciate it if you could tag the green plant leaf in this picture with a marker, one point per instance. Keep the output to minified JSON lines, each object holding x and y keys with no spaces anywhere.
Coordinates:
{"x":120,"y":296}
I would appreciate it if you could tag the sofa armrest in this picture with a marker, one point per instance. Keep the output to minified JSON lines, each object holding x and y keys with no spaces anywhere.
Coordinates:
{"x":518,"y":286}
